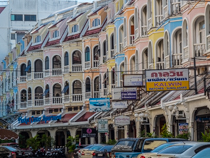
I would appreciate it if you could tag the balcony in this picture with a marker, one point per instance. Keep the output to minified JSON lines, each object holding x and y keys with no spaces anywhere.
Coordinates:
{"x":38,"y":75}
{"x":87,"y":64}
{"x":112,"y":53}
{"x":165,"y":11}
{"x":66,"y":98}
{"x":149,"y":23}
{"x":29,"y":103}
{"x":176,"y":8}
{"x":96,"y":94}
{"x":28,"y":76}
{"x":121,"y":47}
{"x":144,"y":30}
{"x":87,"y":95}
{"x":105,"y":91}
{"x":57,"y":100}
{"x":76,"y":97}
{"x":167,"y":61}
{"x":47,"y":101}
{"x":77,"y":68}
{"x":22,"y":79}
{"x":177,"y":59}
{"x":39,"y":102}
{"x":199,"y":49}
{"x":186,"y":52}
{"x":57,"y":72}
{"x":47,"y":73}
{"x":160,"y":65}
{"x":23,"y":105}
{"x":132,"y":39}
{"x":95,"y":63}
{"x":158,"y":19}
{"x":66,"y":69}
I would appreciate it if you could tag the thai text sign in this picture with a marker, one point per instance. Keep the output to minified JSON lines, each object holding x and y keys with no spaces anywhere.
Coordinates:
{"x":129,"y":95}
{"x":38,"y":119}
{"x":119,"y":105}
{"x":116,"y":92}
{"x":183,"y":128}
{"x":88,"y":132}
{"x":99,"y":104}
{"x":103,"y":126}
{"x":164,"y":80}
{"x":134,"y":80}
{"x":122,"y":120}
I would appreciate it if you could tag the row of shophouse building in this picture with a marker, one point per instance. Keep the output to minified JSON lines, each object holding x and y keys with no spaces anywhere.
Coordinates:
{"x":83,"y":52}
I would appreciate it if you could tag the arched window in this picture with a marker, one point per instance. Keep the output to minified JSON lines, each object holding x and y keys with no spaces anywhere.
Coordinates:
{"x":87,"y":84}
{"x":104,"y":47}
{"x":47,"y":91}
{"x":23,"y":96}
{"x":47,"y":63}
{"x":76,"y":57}
{"x":56,"y":61}
{"x":113,"y":75}
{"x":29,"y":93}
{"x":55,"y":34}
{"x":38,"y":93}
{"x":38,"y":39}
{"x":38,"y":66}
{"x":66,"y":88}
{"x":132,"y":65}
{"x":87,"y":54}
{"x":77,"y":87}
{"x":95,"y":23}
{"x":74,"y":28}
{"x":132,"y":30}
{"x":105,"y":80}
{"x":96,"y":84}
{"x":66,"y":59}
{"x":112,"y":41}
{"x":96,"y":53}
{"x":28,"y":69}
{"x":57,"y":90}
{"x":23,"y":68}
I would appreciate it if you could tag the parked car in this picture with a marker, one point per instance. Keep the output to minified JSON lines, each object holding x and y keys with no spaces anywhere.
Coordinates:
{"x":132,"y":147}
{"x":104,"y":152}
{"x":9,"y":152}
{"x":80,"y":151}
{"x":203,"y":153}
{"x":186,"y":150}
{"x":91,"y":152}
{"x":158,"y":149}
{"x":78,"y":148}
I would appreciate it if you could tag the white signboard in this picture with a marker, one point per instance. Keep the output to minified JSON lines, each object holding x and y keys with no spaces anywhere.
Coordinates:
{"x":119,"y":105}
{"x":116,"y":92}
{"x":135,"y":80}
{"x":122,"y":120}
{"x":103,"y":126}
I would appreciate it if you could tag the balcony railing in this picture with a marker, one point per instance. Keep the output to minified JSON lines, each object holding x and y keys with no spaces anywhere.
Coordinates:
{"x":87,"y":64}
{"x":76,"y":97}
{"x":186,"y":52}
{"x":56,"y":72}
{"x":66,"y":69}
{"x":176,"y":8}
{"x":112,"y":53}
{"x":144,"y":30}
{"x":167,"y":61}
{"x":77,"y":68}
{"x":22,"y":79}
{"x":38,"y":75}
{"x":47,"y":73}
{"x":158,"y":19}
{"x":149,"y":23}
{"x":28,"y":76}
{"x":121,"y":47}
{"x":66,"y":98}
{"x":23,"y":104}
{"x":165,"y":11}
{"x":39,"y":102}
{"x":177,"y":59}
{"x":160,"y":65}
{"x":105,"y":91}
{"x":96,"y":94}
{"x":47,"y":101}
{"x":87,"y":95}
{"x":95,"y":63}
{"x":199,"y":49}
{"x":57,"y":100}
{"x":132,"y":39}
{"x":29,"y":103}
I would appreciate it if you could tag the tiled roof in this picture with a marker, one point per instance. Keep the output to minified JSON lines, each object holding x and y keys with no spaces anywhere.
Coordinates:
{"x":38,"y":46}
{"x":71,"y":20}
{"x":85,"y":116}
{"x":1,"y":9}
{"x":95,"y":12}
{"x":37,"y":29}
{"x":68,"y":38}
{"x":66,"y":118}
{"x":50,"y":43}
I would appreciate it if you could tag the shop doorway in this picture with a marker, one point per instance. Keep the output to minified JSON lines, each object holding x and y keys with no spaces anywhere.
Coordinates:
{"x":23,"y":136}
{"x":121,"y":133}
{"x":132,"y":129}
{"x":159,"y":123}
{"x":60,"y":138}
{"x":111,"y":132}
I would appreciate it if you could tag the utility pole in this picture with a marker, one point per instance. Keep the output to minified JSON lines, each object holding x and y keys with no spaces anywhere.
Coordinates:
{"x":195,"y":79}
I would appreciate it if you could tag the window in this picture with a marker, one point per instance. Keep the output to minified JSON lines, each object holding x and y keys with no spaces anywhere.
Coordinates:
{"x":38,"y":112}
{"x":55,"y":34}
{"x":46,"y":63}
{"x":30,"y":17}
{"x":75,"y":108}
{"x":69,"y":109}
{"x":16,"y":17}
{"x":87,"y":54}
{"x":77,"y":57}
{"x":74,"y":28}
{"x":125,"y":145}
{"x":55,"y":110}
{"x":151,"y":144}
{"x":39,"y":93}
{"x":161,"y":147}
{"x":80,"y":107}
{"x":88,"y":85}
{"x":66,"y":59}
{"x":33,"y":112}
{"x":38,"y":39}
{"x":12,"y":36}
{"x":77,"y":87}
{"x":95,"y":23}
{"x":176,"y":149}
{"x":50,"y":111}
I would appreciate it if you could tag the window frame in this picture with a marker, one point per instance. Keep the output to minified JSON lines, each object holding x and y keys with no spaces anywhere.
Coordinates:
{"x":75,"y":28}
{"x":56,"y":34}
{"x":31,"y":19}
{"x":15,"y":17}
{"x":94,"y":24}
{"x":37,"y":38}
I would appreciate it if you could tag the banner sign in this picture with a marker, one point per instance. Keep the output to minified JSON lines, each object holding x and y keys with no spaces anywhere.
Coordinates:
{"x":165,"y":80}
{"x":134,"y":80}
{"x":183,"y":128}
{"x":99,"y":104}
{"x":129,"y":95}
{"x":122,"y":120}
{"x":103,"y":126}
{"x":116,"y":92}
{"x":38,"y":119}
{"x":119,"y":105}
{"x":88,"y":132}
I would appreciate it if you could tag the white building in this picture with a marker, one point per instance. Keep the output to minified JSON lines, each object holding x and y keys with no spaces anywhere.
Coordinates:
{"x":20,"y":16}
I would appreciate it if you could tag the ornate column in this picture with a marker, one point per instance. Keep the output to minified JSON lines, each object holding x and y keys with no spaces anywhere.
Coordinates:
{"x":116,"y":133}
{"x":126,"y":127}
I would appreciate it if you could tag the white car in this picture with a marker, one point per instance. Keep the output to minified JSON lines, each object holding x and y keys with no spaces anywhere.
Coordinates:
{"x":184,"y":150}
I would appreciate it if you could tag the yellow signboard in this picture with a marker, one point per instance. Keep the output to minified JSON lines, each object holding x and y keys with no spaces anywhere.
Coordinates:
{"x":167,"y":80}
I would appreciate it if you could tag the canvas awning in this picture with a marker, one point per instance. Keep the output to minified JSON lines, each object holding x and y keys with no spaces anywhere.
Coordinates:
{"x":7,"y":134}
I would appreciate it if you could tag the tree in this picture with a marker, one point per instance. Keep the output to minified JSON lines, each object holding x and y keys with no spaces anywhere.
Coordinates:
{"x":46,"y":141}
{"x":165,"y":133}
{"x":111,"y":142}
{"x":71,"y":143}
{"x":33,"y":142}
{"x":206,"y":136}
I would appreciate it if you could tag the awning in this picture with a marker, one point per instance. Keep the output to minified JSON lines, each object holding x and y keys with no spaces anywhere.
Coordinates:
{"x":27,"y":68}
{"x":7,"y":134}
{"x":45,"y":92}
{"x":65,"y":89}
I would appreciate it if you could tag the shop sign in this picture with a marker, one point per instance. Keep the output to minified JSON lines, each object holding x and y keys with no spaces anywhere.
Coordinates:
{"x":99,"y":104}
{"x":103,"y":126}
{"x":183,"y":128}
{"x":38,"y":119}
{"x":116,"y":92}
{"x":122,"y":120}
{"x":119,"y":105}
{"x":166,"y":80}
{"x":88,"y":132}
{"x":134,"y":80}
{"x":129,"y":95}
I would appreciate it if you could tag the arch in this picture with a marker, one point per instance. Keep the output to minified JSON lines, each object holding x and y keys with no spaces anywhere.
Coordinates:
{"x":132,"y":64}
{"x":87,"y":54}
{"x":57,"y":90}
{"x":29,"y":65}
{"x":76,"y":57}
{"x":23,"y":95}
{"x":159,"y":52}
{"x":56,"y":62}
{"x":96,"y":53}
{"x":150,"y":54}
{"x":122,"y":69}
{"x":22,"y":69}
{"x":104,"y":48}
{"x":105,"y":80}
{"x":121,"y":37}
{"x":166,"y":43}
{"x":159,"y":122}
{"x":145,"y":58}
{"x":77,"y":87}
{"x":38,"y":66}
{"x":185,"y":33}
{"x":47,"y":91}
{"x":96,"y":84}
{"x":131,"y":29}
{"x":38,"y":92}
{"x":29,"y":94}
{"x":66,"y":88}
{"x":87,"y":85}
{"x":47,"y":64}
{"x":143,"y":20}
{"x":113,"y":76}
{"x":66,"y":59}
